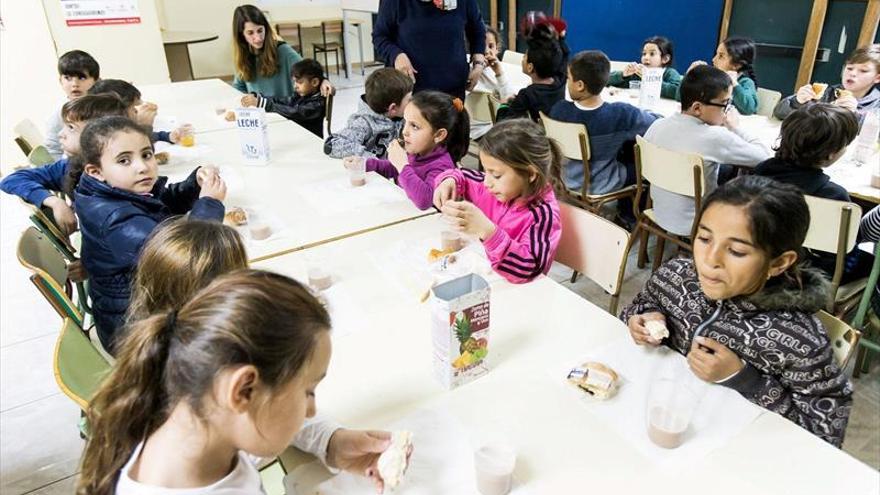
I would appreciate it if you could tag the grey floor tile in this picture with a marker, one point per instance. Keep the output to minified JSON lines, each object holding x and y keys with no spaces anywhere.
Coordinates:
{"x":64,"y":486}
{"x":26,"y":372}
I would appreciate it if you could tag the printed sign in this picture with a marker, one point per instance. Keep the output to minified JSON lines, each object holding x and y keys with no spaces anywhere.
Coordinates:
{"x":96,"y":12}
{"x":652,"y":82}
{"x":254,"y":135}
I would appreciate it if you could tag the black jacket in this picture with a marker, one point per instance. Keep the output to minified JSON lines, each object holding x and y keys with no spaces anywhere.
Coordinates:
{"x":532,"y":99}
{"x":810,"y":180}
{"x":307,"y":111}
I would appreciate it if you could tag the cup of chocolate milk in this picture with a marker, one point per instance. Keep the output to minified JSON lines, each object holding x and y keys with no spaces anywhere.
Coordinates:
{"x":671,"y":405}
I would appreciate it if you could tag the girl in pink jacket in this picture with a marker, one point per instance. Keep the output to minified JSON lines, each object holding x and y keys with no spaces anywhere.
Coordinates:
{"x":511,"y":207}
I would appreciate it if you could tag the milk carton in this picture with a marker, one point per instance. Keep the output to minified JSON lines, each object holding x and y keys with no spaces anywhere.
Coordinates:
{"x":460,"y":329}
{"x":652,"y":83}
{"x":253,"y":134}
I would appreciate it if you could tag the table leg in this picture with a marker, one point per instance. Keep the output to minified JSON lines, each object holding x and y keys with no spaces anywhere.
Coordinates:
{"x":179,"y":64}
{"x":345,"y":41}
{"x":361,"y":47}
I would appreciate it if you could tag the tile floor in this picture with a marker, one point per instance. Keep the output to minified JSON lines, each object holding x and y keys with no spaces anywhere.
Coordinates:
{"x":39,"y":442}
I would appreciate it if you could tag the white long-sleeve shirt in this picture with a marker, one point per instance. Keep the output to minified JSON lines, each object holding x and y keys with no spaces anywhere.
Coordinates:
{"x":489,"y":83}
{"x":244,"y":478}
{"x":53,"y":126}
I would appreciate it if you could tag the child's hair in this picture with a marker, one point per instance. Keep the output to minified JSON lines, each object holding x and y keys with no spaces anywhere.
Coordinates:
{"x":123,"y":89}
{"x":247,"y":317}
{"x":524,"y":147}
{"x":665,"y":47}
{"x":544,"y":52}
{"x":869,"y":54}
{"x":97,"y":132}
{"x":445,"y":112}
{"x":593,"y":68}
{"x":86,"y":109}
{"x":494,"y":32}
{"x":308,"y":68}
{"x":814,"y":132}
{"x":742,"y":52}
{"x":778,"y":214}
{"x":77,"y":63}
{"x":386,"y":86}
{"x":267,"y":60}
{"x":702,"y":83}
{"x":180,"y":257}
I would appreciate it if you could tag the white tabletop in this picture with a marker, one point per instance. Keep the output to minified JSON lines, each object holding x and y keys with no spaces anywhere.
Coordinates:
{"x":381,"y":371}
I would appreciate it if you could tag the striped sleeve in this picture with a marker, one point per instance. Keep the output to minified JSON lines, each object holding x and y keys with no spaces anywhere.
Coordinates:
{"x":869,"y":228}
{"x":522,"y":259}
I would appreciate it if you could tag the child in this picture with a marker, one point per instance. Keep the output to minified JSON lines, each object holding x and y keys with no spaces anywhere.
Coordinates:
{"x":77,"y":72}
{"x":610,"y":125}
{"x":119,"y":200}
{"x":656,"y":53}
{"x":858,"y":91}
{"x":378,"y":119}
{"x":144,"y":113}
{"x":540,"y":61}
{"x":536,"y":20}
{"x":736,"y":57}
{"x":435,"y":137}
{"x":742,"y":309}
{"x":707,"y":126}
{"x":492,"y":80}
{"x":233,"y":372}
{"x":307,"y":107}
{"x":511,"y":207}
{"x":37,"y":185}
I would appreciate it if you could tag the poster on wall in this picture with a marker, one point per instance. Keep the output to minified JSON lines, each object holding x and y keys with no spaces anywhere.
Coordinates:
{"x":97,"y":12}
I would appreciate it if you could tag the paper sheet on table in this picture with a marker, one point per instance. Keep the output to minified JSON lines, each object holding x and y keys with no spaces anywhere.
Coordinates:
{"x":442,"y":461}
{"x":721,"y":415}
{"x":178,"y":155}
{"x":336,"y":196}
{"x":346,"y":314}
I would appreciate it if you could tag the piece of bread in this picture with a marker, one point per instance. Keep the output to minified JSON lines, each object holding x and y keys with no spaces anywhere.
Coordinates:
{"x":162,"y":157}
{"x":657,"y":329}
{"x":235,"y":217}
{"x":594,"y":378}
{"x":230,"y":116}
{"x":819,"y":89}
{"x":436,"y":254}
{"x":843,"y":92}
{"x":393,"y":462}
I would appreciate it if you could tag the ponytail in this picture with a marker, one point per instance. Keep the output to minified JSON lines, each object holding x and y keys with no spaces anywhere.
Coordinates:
{"x":459,"y":136}
{"x":445,"y":112}
{"x":742,"y":52}
{"x":524,"y":146}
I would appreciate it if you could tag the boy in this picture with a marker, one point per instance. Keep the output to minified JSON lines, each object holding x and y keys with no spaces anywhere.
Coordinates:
{"x":144,"y":113}
{"x":307,"y":107}
{"x":77,"y":72}
{"x":610,"y":125}
{"x":379,"y":117}
{"x":708,"y":125}
{"x":36,"y":185}
{"x":541,"y":59}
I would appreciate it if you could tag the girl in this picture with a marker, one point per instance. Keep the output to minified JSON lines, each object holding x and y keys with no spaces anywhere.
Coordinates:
{"x":742,"y":309}
{"x":511,"y":207}
{"x":492,"y":80}
{"x":435,"y":138}
{"x":263,"y":62}
{"x":857,"y":92}
{"x":198,"y":392}
{"x":119,"y":200}
{"x":656,"y":52}
{"x":736,"y":56}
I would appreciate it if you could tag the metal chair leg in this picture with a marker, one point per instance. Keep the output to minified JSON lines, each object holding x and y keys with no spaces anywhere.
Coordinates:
{"x":574,"y":276}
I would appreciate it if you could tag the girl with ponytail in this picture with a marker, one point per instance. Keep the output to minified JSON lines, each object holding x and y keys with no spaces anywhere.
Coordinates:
{"x":736,"y":56}
{"x":198,"y":392}
{"x":436,"y":135}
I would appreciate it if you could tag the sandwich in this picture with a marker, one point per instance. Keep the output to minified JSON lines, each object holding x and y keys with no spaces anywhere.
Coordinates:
{"x":657,"y":329}
{"x":594,"y":378}
{"x":393,"y":462}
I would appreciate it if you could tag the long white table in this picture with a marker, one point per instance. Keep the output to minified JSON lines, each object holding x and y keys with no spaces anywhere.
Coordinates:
{"x":381,"y":371}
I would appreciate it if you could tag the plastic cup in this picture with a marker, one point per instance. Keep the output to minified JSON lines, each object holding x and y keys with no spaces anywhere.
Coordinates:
{"x":319,"y":278}
{"x":357,"y":171}
{"x":258,"y":226}
{"x":494,"y":465}
{"x":450,"y":241}
{"x":670,"y":407}
{"x":187,"y":136}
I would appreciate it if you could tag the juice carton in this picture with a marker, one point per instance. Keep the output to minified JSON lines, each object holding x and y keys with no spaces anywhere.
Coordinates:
{"x":253,"y":134}
{"x":460,"y":329}
{"x":652,"y":83}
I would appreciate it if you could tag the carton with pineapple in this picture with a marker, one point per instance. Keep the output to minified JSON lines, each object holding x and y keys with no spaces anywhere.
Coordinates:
{"x":460,"y":329}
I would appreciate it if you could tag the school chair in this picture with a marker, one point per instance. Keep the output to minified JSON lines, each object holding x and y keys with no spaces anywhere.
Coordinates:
{"x":272,"y":477}
{"x":333,"y":28}
{"x":833,"y":229}
{"x":328,"y":114}
{"x":39,"y":156}
{"x":48,"y":273}
{"x":481,"y":106}
{"x":679,"y":173}
{"x":512,"y":57}
{"x":844,"y":338}
{"x":575,"y":143}
{"x":869,"y":329}
{"x":595,"y":247}
{"x":290,"y":32}
{"x":78,"y":366}
{"x":27,"y":136}
{"x":767,"y":100}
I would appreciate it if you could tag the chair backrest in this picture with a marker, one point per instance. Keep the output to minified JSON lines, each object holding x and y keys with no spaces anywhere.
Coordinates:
{"x":272,"y":477}
{"x":48,"y":272}
{"x":844,"y":338}
{"x":767,"y":100}
{"x":79,"y":367}
{"x":40,"y":156}
{"x":572,"y":137}
{"x":29,"y":133}
{"x":331,"y":27}
{"x":592,"y":246}
{"x":833,"y":225}
{"x":45,"y":223}
{"x":291,"y":33}
{"x":328,"y":114}
{"x":512,"y":57}
{"x":669,"y":170}
{"x":480,"y":106}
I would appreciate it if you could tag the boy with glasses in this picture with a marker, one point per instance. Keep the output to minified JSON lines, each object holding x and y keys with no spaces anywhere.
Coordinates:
{"x":708,"y":125}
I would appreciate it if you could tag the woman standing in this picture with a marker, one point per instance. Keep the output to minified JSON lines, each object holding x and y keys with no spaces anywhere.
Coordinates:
{"x":425,"y":39}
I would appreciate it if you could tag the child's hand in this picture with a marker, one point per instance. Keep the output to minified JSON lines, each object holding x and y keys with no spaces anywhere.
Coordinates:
{"x":734,"y":77}
{"x":402,"y":63}
{"x":175,"y":134}
{"x":397,"y":156}
{"x":466,"y":217}
{"x":205,"y":172}
{"x":249,"y":100}
{"x":76,"y":272}
{"x":146,"y":113}
{"x":637,"y":330}
{"x":731,"y":118}
{"x":445,"y":191}
{"x":712,"y":361}
{"x":696,"y":63}
{"x":358,"y":451}
{"x":805,"y":93}
{"x":492,"y":60}
{"x":848,"y":102}
{"x":327,"y":88}
{"x":63,"y":213}
{"x":631,"y":69}
{"x":213,"y":186}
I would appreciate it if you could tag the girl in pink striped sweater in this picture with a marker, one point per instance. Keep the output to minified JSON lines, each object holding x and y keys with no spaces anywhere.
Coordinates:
{"x":511,"y":206}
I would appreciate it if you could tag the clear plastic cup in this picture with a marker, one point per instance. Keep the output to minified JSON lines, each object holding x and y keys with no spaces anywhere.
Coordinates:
{"x":319,"y":278}
{"x":670,"y":407}
{"x":187,"y":135}
{"x":635,"y":87}
{"x":450,"y":241}
{"x":258,"y":226}
{"x":494,"y":464}
{"x":357,"y":170}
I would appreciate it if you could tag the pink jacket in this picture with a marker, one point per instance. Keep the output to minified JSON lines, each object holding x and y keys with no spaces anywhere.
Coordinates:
{"x":526,"y":235}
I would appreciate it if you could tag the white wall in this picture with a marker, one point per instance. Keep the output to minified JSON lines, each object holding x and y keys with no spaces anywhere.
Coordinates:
{"x":214,"y":58}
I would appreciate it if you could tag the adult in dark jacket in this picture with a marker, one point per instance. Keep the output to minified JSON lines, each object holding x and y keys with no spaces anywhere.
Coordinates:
{"x":431,"y":44}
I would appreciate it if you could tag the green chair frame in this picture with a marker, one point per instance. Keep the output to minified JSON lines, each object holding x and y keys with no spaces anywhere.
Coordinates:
{"x":866,"y":344}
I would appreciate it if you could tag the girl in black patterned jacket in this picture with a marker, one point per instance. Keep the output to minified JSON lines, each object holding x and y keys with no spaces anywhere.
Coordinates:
{"x":742,"y":310}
